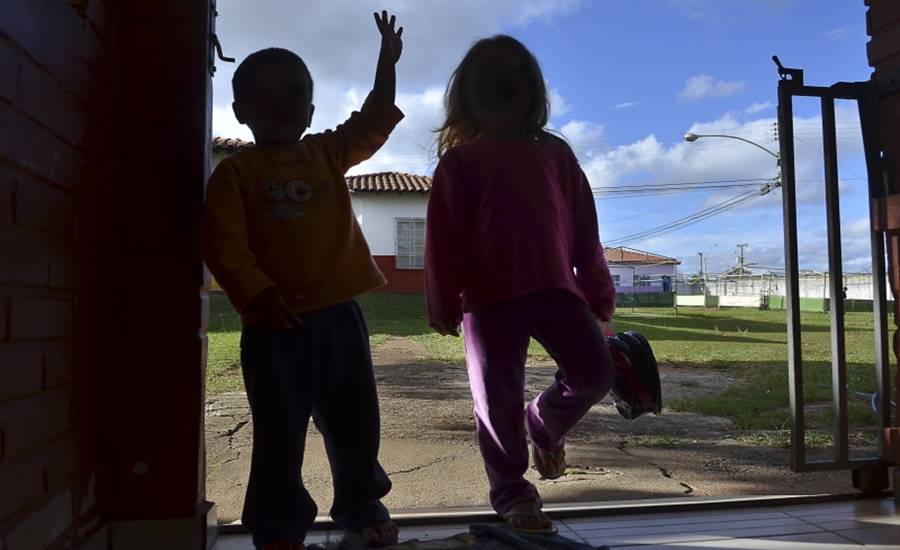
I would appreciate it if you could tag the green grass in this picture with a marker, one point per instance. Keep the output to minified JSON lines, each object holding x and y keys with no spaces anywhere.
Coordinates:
{"x":749,"y":345}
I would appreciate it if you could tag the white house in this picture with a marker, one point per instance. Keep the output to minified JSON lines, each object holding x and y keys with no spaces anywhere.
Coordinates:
{"x":390,"y":207}
{"x":639,"y":271}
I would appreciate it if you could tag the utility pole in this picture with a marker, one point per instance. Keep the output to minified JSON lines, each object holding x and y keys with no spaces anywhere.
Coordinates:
{"x":701,"y":272}
{"x":741,"y":257}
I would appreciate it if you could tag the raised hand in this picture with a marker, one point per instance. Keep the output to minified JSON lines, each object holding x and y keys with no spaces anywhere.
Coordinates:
{"x":391,"y":40}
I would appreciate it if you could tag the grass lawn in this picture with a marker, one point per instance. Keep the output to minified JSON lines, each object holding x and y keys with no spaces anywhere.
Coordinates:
{"x":748,"y":344}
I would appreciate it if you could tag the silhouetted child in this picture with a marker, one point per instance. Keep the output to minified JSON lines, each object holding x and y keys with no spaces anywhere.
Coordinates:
{"x":512,"y":251}
{"x":281,"y":239}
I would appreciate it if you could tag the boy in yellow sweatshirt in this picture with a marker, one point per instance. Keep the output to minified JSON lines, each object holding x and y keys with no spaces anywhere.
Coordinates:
{"x":282,"y":241}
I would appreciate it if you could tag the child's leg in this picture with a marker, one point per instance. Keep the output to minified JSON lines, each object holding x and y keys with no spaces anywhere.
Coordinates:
{"x":277,"y":507}
{"x":347,"y":415}
{"x":565,"y":326}
{"x":496,"y":339}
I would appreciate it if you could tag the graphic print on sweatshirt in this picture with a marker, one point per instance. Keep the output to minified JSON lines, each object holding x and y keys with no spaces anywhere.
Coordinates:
{"x":288,"y":200}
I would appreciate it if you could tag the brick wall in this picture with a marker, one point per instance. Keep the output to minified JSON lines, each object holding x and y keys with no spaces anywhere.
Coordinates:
{"x":104,"y":113}
{"x":55,"y":65}
{"x":883,"y":25}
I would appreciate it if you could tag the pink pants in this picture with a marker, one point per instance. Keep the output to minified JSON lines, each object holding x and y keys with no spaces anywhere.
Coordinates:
{"x":496,"y":338}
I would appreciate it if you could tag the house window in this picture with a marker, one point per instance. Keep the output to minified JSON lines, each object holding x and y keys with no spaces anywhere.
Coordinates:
{"x":617,"y":279}
{"x":642,"y":281}
{"x":410,"y":243}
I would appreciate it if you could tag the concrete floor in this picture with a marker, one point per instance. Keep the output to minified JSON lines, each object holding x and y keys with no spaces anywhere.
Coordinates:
{"x":870,"y":524}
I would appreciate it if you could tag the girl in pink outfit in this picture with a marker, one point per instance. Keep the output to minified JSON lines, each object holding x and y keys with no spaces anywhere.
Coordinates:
{"x":512,"y":252}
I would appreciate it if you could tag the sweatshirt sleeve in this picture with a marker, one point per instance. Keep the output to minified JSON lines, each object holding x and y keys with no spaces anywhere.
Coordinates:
{"x":226,"y":247}
{"x":363,"y":134}
{"x":591,"y":270}
{"x":444,"y":244}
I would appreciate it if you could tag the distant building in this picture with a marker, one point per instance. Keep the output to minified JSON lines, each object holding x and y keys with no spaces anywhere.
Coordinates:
{"x":638,"y":271}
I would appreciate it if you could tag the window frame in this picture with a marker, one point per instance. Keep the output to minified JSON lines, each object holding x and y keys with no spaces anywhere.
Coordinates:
{"x":414,"y":265}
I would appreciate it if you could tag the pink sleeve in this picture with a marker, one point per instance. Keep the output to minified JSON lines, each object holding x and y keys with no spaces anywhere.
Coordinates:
{"x":592,"y":272}
{"x":444,"y":238}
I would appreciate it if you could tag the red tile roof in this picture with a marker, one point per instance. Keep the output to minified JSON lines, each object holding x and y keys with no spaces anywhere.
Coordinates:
{"x":622,"y":255}
{"x":382,"y":182}
{"x":389,"y":182}
{"x":229,"y":145}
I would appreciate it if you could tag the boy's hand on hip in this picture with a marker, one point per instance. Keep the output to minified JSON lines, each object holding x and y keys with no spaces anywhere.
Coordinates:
{"x":274,"y":312}
{"x":391,"y":40}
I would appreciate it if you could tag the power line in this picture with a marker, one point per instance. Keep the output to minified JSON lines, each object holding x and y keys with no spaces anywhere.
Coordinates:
{"x":695,"y":217}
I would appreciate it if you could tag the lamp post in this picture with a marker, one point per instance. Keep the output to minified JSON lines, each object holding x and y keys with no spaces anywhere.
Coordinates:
{"x":691,"y":137}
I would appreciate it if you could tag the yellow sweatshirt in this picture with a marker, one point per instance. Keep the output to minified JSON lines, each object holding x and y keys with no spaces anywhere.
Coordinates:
{"x":281,"y":216}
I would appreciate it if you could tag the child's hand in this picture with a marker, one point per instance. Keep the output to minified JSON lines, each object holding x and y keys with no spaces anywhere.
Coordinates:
{"x":391,"y":41}
{"x":446,"y":327}
{"x":274,"y":312}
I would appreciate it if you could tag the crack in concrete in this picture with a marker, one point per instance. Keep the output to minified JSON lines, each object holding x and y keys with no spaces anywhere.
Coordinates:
{"x":426,"y":465}
{"x":688,"y":489}
{"x":230,"y":433}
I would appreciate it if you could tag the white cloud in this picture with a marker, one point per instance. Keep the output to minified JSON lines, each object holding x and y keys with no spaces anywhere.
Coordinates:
{"x":225,"y":125}
{"x":717,"y":9}
{"x":652,"y":160}
{"x":703,"y":85}
{"x":585,"y":137}
{"x":838,"y":33}
{"x":759,"y":107}
{"x":339,"y":42}
{"x":625,"y":105}
{"x":558,"y":104}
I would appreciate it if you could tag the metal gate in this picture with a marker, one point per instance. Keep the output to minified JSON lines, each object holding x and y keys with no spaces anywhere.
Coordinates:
{"x":791,"y":85}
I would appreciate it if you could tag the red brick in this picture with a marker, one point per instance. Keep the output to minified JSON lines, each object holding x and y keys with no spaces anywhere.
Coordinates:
{"x":36,"y":150}
{"x":64,"y":458}
{"x":40,"y":319}
{"x":28,"y":424}
{"x":7,"y":188}
{"x":21,"y":371}
{"x":884,"y":44}
{"x":99,"y":540}
{"x":142,"y":35}
{"x":23,"y":486}
{"x":44,"y":526}
{"x":46,"y":208}
{"x":42,"y":98}
{"x":60,"y":366}
{"x":96,"y":53}
{"x":9,"y":68}
{"x":882,"y":14}
{"x":63,"y":266}
{"x":50,"y":31}
{"x":98,"y":15}
{"x":24,"y":256}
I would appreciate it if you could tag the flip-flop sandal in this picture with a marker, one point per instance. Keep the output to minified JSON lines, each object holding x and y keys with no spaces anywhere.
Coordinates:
{"x":365,"y":540}
{"x":539,"y":457}
{"x":536,"y":514}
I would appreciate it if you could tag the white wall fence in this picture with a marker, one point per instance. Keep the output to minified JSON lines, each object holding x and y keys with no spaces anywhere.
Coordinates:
{"x":859,"y":286}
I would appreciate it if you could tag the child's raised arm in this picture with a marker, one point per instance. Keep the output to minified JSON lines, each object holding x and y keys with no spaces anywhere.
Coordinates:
{"x":365,"y":131}
{"x":391,"y":48}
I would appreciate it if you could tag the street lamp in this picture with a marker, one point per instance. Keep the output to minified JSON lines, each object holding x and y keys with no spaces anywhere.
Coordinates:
{"x":691,"y":137}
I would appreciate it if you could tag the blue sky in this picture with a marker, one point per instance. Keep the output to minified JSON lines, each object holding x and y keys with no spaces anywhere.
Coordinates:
{"x":628,"y":79}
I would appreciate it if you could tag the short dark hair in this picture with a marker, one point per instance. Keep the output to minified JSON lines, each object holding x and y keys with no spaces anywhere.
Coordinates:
{"x":246,"y":71}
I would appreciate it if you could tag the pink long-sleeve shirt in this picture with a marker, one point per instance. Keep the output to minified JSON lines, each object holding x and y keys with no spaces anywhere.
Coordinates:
{"x":506,"y":219}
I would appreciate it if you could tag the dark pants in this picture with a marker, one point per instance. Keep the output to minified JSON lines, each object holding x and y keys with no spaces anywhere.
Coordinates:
{"x":323,"y":370}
